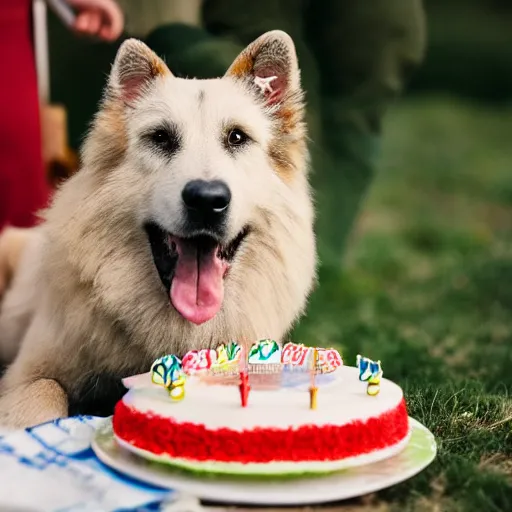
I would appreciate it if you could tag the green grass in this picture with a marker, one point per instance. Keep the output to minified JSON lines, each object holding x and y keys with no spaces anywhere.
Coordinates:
{"x":427,"y":288}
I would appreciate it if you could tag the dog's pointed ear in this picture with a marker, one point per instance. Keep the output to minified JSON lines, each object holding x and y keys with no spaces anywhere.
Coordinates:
{"x":270,"y":64}
{"x":134,"y":69}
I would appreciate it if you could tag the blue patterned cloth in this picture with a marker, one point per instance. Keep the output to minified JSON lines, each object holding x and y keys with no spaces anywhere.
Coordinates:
{"x":52,"y":468}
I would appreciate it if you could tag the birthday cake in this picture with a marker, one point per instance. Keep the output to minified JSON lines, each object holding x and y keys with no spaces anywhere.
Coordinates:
{"x":275,"y":410}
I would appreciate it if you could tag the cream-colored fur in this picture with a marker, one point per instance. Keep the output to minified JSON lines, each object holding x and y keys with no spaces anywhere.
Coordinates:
{"x":12,"y":245}
{"x":94,"y":302}
{"x":20,"y":251}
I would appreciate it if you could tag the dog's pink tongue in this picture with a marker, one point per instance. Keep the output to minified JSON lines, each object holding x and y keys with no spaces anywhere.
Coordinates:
{"x":197,"y":288}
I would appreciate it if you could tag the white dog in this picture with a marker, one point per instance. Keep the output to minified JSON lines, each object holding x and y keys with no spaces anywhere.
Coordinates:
{"x":190,"y":224}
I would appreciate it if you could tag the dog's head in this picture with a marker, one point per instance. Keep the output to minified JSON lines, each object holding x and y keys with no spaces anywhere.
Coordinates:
{"x":213,"y":174}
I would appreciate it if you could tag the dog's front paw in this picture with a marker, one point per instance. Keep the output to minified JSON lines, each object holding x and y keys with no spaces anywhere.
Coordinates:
{"x":32,"y":404}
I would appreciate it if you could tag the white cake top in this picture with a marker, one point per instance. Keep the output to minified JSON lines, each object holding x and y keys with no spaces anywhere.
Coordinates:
{"x":218,"y":406}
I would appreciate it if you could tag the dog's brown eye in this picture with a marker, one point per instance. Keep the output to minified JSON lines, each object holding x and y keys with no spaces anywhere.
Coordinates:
{"x":165,"y":139}
{"x":160,"y":137}
{"x":237,"y":137}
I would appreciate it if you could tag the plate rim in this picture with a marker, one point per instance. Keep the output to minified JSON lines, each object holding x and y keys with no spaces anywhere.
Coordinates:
{"x":214,"y":490}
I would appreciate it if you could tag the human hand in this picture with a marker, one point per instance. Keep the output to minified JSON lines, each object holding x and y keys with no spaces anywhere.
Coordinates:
{"x":101,"y":18}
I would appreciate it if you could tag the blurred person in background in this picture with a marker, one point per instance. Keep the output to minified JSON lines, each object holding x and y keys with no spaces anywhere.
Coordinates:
{"x":23,"y":185}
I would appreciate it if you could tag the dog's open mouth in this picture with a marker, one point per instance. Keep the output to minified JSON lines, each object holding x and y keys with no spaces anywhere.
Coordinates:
{"x":193,"y":270}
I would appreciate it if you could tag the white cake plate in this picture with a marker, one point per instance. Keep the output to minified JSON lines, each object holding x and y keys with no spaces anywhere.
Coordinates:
{"x":418,"y":454}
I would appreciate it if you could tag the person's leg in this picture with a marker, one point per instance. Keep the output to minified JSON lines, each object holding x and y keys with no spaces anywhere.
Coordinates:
{"x":23,"y":186}
{"x":192,"y":52}
{"x":365,"y":52}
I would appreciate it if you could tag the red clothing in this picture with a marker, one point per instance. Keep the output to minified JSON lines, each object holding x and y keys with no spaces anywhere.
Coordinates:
{"x":23,"y":186}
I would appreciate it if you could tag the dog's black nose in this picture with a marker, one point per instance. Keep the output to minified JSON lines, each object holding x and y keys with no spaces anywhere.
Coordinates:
{"x":206,"y":197}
